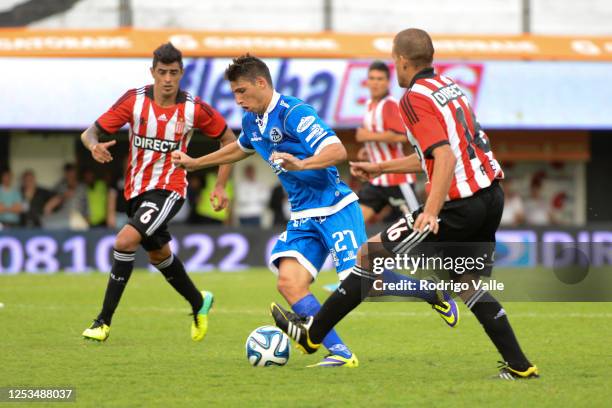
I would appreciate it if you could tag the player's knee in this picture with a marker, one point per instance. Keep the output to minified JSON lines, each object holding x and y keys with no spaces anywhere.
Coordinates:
{"x":291,"y":288}
{"x":159,"y":255}
{"x":126,"y":242}
{"x":284,"y":285}
{"x":368,"y":251}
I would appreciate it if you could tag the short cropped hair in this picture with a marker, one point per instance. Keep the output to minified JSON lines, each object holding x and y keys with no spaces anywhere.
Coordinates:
{"x":415,"y":45}
{"x":167,"y":54}
{"x":248,"y":67}
{"x":380,"y":66}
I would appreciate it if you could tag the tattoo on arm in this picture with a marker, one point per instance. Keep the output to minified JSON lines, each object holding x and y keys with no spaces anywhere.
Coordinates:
{"x":90,"y":137}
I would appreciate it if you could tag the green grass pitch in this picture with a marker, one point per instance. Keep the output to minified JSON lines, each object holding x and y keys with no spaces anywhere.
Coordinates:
{"x":408,"y":357}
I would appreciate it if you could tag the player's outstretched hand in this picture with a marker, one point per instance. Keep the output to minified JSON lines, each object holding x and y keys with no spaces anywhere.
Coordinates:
{"x":425,"y":219}
{"x":287,"y":161}
{"x":183,"y":160}
{"x":219,"y":199}
{"x":365,"y":170}
{"x":100,"y":152}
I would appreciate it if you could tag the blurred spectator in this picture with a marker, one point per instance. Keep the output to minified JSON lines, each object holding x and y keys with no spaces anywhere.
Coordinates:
{"x":97,"y":196}
{"x":537,"y":209}
{"x":251,"y":198}
{"x":34,"y":198}
{"x":116,"y":210}
{"x":10,"y":201}
{"x":279,"y":204}
{"x":198,"y":195}
{"x":68,"y":207}
{"x":514,"y":210}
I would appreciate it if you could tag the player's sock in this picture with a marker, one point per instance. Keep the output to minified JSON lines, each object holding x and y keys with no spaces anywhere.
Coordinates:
{"x":348,"y":296}
{"x":309,"y":306}
{"x":492,"y":316}
{"x":123,"y":264}
{"x":173,"y":270}
{"x":409,"y":287}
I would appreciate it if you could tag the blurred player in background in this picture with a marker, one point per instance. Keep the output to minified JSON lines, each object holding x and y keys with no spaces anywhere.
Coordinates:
{"x":325,"y":217}
{"x":161,"y":120}
{"x":384,"y":136}
{"x":464,"y":204}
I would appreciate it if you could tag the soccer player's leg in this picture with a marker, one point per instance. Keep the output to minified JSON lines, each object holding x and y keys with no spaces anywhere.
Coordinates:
{"x":495,"y":323}
{"x":309,"y":332}
{"x":124,"y":252}
{"x":297,"y":258}
{"x":488,"y":208}
{"x":399,"y":238}
{"x":156,"y":238}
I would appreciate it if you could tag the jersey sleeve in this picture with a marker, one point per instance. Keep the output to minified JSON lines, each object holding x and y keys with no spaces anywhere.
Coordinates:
{"x":425,"y":125}
{"x":303,"y":122}
{"x":119,"y":114}
{"x":391,"y":118}
{"x":244,"y":143}
{"x":208,"y":119}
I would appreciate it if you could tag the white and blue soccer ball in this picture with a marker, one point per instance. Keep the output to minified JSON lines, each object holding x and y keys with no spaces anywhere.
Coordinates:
{"x":267,"y":346}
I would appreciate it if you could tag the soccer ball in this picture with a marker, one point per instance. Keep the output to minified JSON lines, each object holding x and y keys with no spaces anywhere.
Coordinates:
{"x":267,"y":346}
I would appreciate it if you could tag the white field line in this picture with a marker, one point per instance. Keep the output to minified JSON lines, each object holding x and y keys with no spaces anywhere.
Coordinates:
{"x":263,"y":311}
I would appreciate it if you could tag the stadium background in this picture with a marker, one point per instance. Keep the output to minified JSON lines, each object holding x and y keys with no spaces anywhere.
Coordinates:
{"x":539,"y":73}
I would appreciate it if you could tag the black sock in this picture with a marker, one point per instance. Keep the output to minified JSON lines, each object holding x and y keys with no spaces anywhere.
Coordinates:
{"x":123,"y":264}
{"x":492,"y":317}
{"x":348,"y":296}
{"x":173,"y":270}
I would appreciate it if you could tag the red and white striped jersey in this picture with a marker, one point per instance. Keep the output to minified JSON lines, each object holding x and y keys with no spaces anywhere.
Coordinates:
{"x":380,"y":117}
{"x":154,"y":133}
{"x":437,"y":112}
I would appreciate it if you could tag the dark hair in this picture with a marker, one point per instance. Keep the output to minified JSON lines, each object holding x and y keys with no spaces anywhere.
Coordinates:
{"x":380,"y":66}
{"x":167,"y":54}
{"x":415,"y":45}
{"x":248,"y":67}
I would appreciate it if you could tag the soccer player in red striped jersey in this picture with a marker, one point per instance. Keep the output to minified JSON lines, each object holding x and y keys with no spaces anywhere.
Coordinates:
{"x":384,"y":135}
{"x":161,"y":119}
{"x":464,"y":206}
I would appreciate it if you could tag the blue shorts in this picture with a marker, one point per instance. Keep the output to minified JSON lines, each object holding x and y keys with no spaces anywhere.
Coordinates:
{"x":311,"y":240}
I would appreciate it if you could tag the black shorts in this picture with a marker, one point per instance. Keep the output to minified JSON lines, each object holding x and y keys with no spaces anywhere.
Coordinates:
{"x":466,"y":229}
{"x":402,"y":198}
{"x":150,"y":213}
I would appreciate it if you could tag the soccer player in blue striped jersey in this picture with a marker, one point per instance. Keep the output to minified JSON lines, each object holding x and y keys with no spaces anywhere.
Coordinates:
{"x":302,"y":150}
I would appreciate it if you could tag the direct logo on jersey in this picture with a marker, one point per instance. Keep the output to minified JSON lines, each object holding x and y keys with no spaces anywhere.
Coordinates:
{"x":305,"y":122}
{"x":157,"y":145}
{"x":448,"y":93}
{"x":276,"y":135}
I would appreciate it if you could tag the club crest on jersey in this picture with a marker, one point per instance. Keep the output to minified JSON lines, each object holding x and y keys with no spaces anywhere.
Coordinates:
{"x":276,"y":135}
{"x":180,"y":126}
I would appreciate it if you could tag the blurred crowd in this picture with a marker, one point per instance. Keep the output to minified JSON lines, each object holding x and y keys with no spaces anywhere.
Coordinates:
{"x":81,"y":200}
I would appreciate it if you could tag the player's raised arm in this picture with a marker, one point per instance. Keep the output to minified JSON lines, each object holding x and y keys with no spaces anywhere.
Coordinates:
{"x":230,"y":153}
{"x":328,"y":156}
{"x":218,"y":197}
{"x":99,"y":150}
{"x":323,"y":146}
{"x":368,"y":170}
{"x":110,"y":122}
